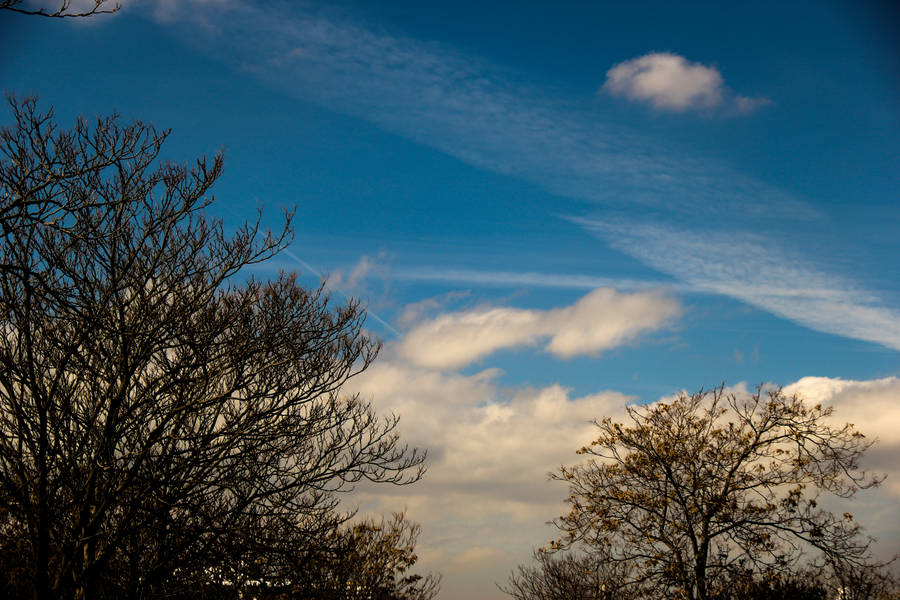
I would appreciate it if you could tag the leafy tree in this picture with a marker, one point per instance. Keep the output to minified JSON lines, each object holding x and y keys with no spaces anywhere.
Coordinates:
{"x":164,"y":420}
{"x":714,"y":483}
{"x":867,"y":582}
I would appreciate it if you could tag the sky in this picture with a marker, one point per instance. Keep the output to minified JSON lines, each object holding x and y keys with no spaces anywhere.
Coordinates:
{"x":551,"y":210}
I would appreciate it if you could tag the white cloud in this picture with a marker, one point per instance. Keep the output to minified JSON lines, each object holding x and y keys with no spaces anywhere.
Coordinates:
{"x":671,"y":82}
{"x":601,"y":320}
{"x":755,"y":269}
{"x":457,"y":339}
{"x":874,"y":408}
{"x":667,"y":81}
{"x":485,"y":498}
{"x":485,"y":441}
{"x":432,"y":94}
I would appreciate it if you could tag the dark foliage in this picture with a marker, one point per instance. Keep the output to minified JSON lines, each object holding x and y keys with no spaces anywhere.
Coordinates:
{"x":568,"y":576}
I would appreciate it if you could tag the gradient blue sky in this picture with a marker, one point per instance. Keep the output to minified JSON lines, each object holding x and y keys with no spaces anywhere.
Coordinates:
{"x":526,"y":231}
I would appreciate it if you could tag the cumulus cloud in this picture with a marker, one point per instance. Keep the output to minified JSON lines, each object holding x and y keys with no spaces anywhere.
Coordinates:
{"x":601,"y":320}
{"x":671,"y":82}
{"x":667,"y":81}
{"x":873,"y":406}
{"x":486,"y":496}
{"x":486,"y":493}
{"x":484,"y":440}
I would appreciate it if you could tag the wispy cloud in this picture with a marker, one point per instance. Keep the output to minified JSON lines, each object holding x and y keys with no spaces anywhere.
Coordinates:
{"x":755,"y":269}
{"x":670,"y":82}
{"x":572,"y":281}
{"x":417,"y":311}
{"x":356,"y":274}
{"x":350,"y":280}
{"x":436,"y":95}
{"x":368,"y":268}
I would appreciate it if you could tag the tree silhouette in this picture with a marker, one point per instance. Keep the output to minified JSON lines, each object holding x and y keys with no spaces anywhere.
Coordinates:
{"x":164,"y":420}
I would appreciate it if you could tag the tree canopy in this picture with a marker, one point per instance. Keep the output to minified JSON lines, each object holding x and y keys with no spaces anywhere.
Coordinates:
{"x":166,"y":421}
{"x":695,"y":490}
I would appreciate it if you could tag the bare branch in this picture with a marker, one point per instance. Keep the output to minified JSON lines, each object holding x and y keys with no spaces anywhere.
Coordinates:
{"x":162,"y":417}
{"x":63,"y":10}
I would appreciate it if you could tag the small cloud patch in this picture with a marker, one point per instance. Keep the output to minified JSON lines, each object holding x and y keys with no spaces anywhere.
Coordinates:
{"x":670,"y":82}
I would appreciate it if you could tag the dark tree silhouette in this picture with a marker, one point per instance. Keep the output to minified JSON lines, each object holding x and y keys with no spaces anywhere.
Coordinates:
{"x":366,"y":561}
{"x":570,"y":576}
{"x":164,"y":421}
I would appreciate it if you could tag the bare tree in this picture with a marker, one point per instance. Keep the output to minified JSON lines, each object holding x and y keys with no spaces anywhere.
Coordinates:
{"x":49,"y":175}
{"x":62,"y":9}
{"x":573,"y":576}
{"x":870,"y":582}
{"x":158,"y":410}
{"x":366,"y":561}
{"x":715,"y":483}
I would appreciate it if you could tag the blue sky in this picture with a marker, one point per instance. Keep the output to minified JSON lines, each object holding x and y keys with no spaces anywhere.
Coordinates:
{"x":571,"y":206}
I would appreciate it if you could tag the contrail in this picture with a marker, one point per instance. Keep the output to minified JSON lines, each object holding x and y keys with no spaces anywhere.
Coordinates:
{"x":312,"y":269}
